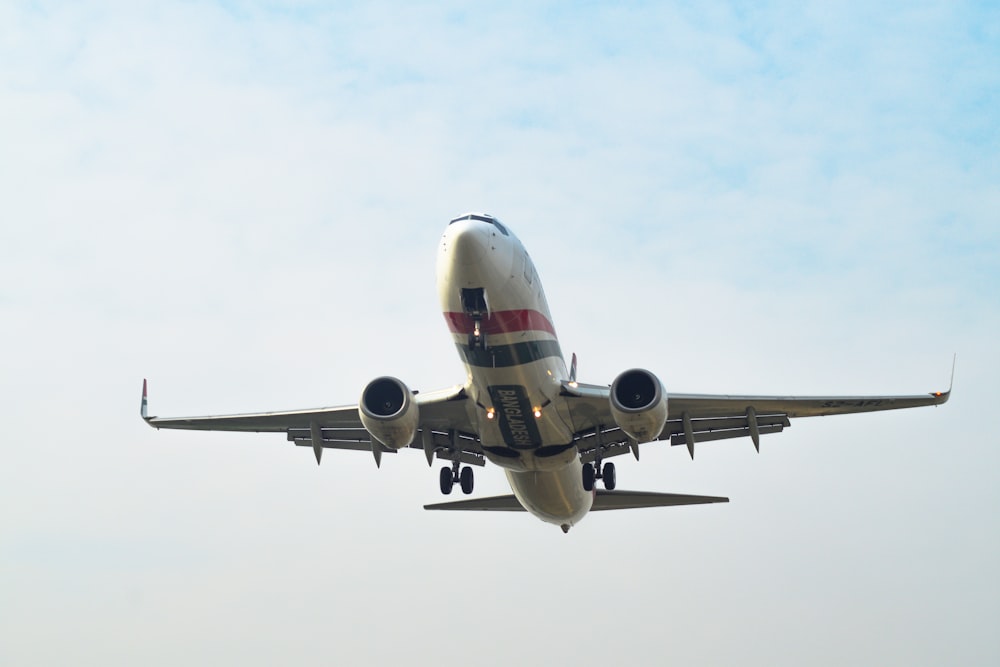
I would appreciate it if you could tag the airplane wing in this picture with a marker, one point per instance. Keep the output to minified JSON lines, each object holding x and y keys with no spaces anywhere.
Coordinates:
{"x":695,"y":418}
{"x":443,"y":416}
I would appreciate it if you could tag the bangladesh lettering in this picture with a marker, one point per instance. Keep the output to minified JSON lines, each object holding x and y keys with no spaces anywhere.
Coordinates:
{"x":516,"y":420}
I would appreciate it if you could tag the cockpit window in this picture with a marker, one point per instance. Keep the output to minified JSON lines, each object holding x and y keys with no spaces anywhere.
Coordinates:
{"x":482,"y":218}
{"x":473,"y":216}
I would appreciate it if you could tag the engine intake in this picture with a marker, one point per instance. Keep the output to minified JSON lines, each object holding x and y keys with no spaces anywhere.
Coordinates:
{"x":639,"y":404}
{"x":389,"y":412}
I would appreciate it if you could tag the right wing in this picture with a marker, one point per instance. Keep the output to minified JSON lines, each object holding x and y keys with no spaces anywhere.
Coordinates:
{"x":444,"y":417}
{"x":696,"y":418}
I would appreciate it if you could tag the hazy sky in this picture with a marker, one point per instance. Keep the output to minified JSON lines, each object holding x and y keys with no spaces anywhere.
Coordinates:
{"x":242,"y":202}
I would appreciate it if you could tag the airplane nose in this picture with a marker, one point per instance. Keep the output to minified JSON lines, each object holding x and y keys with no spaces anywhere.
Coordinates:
{"x":467,"y":242}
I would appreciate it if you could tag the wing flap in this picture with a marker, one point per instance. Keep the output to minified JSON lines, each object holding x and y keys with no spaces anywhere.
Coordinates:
{"x":366,"y":446}
{"x":707,"y":436}
{"x":358,"y":439}
{"x":676,"y":426}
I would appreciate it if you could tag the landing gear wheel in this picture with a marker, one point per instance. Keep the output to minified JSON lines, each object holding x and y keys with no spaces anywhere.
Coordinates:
{"x":588,"y":477}
{"x":466,"y":480}
{"x":609,"y":476}
{"x":447,"y":480}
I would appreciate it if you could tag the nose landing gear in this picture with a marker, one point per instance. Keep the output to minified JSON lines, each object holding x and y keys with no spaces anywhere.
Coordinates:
{"x":474,"y":305}
{"x":477,"y":339}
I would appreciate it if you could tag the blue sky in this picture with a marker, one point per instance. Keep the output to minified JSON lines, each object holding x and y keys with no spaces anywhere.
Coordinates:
{"x":242,"y":202}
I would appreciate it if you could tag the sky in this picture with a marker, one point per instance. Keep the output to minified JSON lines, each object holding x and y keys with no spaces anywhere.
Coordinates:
{"x":242,"y":202}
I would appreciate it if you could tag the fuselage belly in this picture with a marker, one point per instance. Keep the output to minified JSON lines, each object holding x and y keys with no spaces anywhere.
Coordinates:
{"x":496,"y":310}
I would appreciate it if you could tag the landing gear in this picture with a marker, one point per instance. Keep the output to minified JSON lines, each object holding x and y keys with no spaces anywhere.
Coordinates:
{"x":477,"y":339}
{"x":474,"y":305}
{"x":607,"y":474}
{"x":466,"y":480}
{"x":447,"y":480}
{"x":451,"y":475}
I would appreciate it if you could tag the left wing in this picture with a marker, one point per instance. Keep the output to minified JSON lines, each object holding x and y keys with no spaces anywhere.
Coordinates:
{"x":443,"y":416}
{"x":694,"y":418}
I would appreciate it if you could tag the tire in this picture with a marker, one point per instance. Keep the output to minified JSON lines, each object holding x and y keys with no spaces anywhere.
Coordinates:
{"x":588,"y":477}
{"x":466,"y":479}
{"x":447,"y":480}
{"x":609,"y":476}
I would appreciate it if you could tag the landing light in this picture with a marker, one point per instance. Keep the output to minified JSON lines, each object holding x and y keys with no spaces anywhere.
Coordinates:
{"x":538,"y":413}
{"x":490,"y":413}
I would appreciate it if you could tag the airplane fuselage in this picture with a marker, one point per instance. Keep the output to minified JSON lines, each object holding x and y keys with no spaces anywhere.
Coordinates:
{"x":493,"y":302}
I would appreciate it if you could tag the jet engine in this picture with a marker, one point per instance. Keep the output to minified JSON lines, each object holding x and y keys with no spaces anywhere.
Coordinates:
{"x":639,"y":404}
{"x":389,"y":412}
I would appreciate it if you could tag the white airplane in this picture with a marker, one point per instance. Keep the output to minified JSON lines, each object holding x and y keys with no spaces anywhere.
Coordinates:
{"x":520,"y":408}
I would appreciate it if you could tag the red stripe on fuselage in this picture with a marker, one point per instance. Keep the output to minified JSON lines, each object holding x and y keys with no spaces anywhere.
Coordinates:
{"x":501,"y":322}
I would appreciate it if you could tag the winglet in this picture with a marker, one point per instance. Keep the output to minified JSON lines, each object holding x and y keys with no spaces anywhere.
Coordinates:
{"x":943,"y":396}
{"x":572,"y":369}
{"x":143,"y":410}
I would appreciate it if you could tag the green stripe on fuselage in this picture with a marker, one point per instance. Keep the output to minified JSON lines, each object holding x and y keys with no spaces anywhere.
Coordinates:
{"x":505,"y":356}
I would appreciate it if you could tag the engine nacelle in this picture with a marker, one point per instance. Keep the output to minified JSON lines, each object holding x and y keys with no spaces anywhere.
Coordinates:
{"x":389,"y":412}
{"x":639,"y":404}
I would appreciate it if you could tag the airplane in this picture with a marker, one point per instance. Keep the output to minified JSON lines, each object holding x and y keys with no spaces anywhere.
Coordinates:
{"x":521,"y":408}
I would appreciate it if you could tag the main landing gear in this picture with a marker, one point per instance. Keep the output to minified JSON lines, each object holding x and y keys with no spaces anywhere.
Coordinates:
{"x":607,"y":474}
{"x":452,"y":475}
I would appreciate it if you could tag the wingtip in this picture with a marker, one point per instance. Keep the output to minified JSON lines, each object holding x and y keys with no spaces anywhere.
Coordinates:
{"x":943,"y":396}
{"x":144,"y":406}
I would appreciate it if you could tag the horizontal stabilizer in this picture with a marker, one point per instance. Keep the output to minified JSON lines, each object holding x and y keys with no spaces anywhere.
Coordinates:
{"x":605,"y":500}
{"x":489,"y":504}
{"x":630,"y":500}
